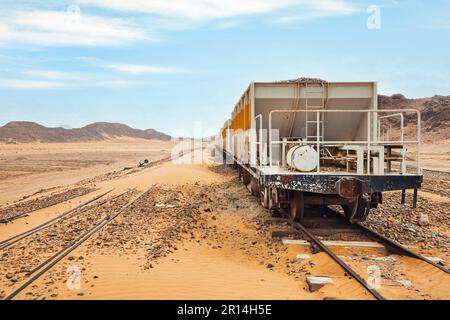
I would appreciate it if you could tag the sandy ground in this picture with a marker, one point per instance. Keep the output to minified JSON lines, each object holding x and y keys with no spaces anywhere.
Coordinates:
{"x":197,"y":233}
{"x":29,"y":168}
{"x":435,"y":156}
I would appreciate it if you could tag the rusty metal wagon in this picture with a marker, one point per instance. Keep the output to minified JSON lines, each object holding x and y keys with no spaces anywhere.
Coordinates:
{"x":308,"y":142}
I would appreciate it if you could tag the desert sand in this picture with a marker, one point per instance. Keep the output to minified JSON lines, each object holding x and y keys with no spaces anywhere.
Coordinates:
{"x":196,"y":234}
{"x":31,"y":167}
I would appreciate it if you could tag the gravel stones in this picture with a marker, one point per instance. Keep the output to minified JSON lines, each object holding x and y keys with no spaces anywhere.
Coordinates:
{"x":427,"y":225}
{"x":16,"y":210}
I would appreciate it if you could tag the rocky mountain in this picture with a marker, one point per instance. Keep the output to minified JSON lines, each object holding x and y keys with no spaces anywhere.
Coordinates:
{"x":435,"y":114}
{"x":23,"y":131}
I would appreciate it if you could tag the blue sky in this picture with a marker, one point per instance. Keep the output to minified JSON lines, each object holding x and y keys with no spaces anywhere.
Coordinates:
{"x":164,"y":64}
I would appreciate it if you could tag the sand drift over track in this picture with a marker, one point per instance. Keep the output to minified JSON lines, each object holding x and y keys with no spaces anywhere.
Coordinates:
{"x":193,"y":231}
{"x":20,"y":209}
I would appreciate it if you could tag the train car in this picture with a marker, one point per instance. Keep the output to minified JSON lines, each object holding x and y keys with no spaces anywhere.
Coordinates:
{"x":309,"y":142}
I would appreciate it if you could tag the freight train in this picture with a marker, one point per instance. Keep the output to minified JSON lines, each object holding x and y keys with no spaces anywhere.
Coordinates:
{"x":308,"y":142}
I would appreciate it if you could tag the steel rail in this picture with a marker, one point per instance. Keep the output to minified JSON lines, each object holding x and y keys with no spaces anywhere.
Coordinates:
{"x":9,"y":242}
{"x":62,"y":254}
{"x":390,"y":244}
{"x":397,"y":247}
{"x":10,"y":219}
{"x":6,"y":220}
{"x":61,"y":219}
{"x":52,"y":261}
{"x":313,"y":239}
{"x":58,"y":190}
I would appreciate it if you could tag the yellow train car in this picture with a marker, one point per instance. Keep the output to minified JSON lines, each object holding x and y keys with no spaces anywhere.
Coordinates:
{"x":312,"y":142}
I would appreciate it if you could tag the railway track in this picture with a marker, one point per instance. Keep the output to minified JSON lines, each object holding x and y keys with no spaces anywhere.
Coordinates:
{"x":27,"y":212}
{"x":21,"y":214}
{"x":389,"y":244}
{"x":334,"y":223}
{"x":66,"y":215}
{"x":318,"y":244}
{"x":307,"y":229}
{"x":49,"y":263}
{"x":58,"y":256}
{"x":398,"y":248}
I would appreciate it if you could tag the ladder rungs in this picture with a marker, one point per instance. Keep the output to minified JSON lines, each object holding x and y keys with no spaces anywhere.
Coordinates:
{"x":315,"y":121}
{"x":314,"y":107}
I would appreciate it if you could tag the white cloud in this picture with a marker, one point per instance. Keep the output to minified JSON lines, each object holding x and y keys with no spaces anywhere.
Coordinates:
{"x":62,"y":28}
{"x":316,"y":9}
{"x":52,"y":79}
{"x":30,"y":84}
{"x":229,"y":24}
{"x":109,"y":84}
{"x":194,"y":9}
{"x":136,"y":69}
{"x":42,"y":84}
{"x":201,"y":10}
{"x":54,"y":75}
{"x":55,"y":79}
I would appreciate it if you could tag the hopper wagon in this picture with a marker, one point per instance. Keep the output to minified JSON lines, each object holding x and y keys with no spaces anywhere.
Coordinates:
{"x":308,"y":142}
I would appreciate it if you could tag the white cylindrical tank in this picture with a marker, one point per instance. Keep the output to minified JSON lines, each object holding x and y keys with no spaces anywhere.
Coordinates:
{"x":302,"y":158}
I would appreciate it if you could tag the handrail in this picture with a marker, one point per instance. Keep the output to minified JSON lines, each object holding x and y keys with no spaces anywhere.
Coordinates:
{"x":368,"y":141}
{"x":369,"y":125}
{"x":402,"y":121}
{"x":260,"y":137}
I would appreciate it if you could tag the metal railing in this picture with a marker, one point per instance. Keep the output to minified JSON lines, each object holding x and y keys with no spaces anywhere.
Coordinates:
{"x":369,"y":142}
{"x":402,"y":121}
{"x":259,"y":143}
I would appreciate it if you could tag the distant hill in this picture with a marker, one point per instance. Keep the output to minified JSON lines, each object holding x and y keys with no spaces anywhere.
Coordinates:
{"x":435,"y":114}
{"x":23,"y":131}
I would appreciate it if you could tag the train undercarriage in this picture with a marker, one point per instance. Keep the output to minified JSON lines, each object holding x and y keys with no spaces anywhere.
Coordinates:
{"x":356,"y":195}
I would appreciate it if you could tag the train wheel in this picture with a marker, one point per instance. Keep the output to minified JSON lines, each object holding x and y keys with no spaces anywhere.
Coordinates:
{"x":296,"y":205}
{"x":246,"y":177}
{"x":254,"y":186}
{"x":350,"y":209}
{"x":358,"y":210}
{"x":264,"y":197}
{"x":375,"y":199}
{"x":273,"y":198}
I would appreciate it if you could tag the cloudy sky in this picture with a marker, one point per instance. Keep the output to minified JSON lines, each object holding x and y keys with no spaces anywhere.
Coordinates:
{"x":164,"y":64}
